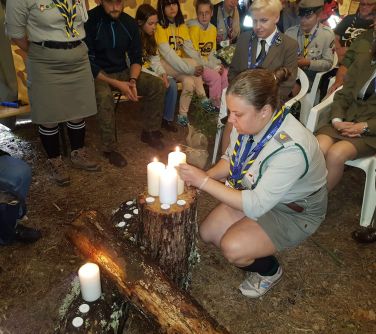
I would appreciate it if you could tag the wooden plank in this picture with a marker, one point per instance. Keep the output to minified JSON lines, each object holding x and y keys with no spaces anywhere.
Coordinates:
{"x":9,"y":112}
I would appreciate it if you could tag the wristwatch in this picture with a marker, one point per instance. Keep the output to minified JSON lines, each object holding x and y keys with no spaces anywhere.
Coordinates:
{"x":365,"y":131}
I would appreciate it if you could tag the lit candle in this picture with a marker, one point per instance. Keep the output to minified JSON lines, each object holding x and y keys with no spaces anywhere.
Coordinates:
{"x":175,"y":159}
{"x":90,"y":282}
{"x":154,"y":170}
{"x":168,"y":189}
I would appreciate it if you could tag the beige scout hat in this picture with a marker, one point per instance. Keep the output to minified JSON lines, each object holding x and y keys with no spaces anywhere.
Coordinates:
{"x":308,"y":7}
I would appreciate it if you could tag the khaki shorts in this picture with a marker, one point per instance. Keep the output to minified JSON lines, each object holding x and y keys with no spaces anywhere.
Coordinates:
{"x":288,"y":228}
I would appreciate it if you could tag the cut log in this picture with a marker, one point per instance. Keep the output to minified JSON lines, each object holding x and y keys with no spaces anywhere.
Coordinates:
{"x":106,"y":315}
{"x":170,"y":236}
{"x":142,"y":282}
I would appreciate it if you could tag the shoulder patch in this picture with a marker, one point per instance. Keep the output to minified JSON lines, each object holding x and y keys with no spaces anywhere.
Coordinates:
{"x":283,"y":138}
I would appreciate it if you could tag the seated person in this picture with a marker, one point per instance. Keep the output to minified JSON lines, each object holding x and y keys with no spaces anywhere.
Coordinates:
{"x":275,"y":195}
{"x":227,"y":18}
{"x":147,"y":20}
{"x":110,"y":34}
{"x":203,"y":36}
{"x":264,"y":47}
{"x":361,"y":45}
{"x":316,"y":41}
{"x":288,"y":17}
{"x":351,"y":134}
{"x":352,"y":26}
{"x":179,"y":58}
{"x":15,"y":178}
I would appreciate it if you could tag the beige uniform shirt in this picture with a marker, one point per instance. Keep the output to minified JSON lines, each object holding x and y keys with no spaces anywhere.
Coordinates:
{"x":40,"y":20}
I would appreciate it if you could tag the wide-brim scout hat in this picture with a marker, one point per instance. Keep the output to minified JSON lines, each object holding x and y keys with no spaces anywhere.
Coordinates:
{"x":308,"y":7}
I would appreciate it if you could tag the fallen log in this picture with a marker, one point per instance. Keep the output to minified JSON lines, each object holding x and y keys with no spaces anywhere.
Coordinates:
{"x":142,"y":282}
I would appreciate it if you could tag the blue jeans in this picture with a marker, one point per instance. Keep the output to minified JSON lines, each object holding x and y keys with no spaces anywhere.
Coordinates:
{"x":170,"y":100}
{"x":15,"y":176}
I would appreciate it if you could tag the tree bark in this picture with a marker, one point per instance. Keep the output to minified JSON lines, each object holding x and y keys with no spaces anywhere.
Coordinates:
{"x":142,"y":282}
{"x":170,"y":236}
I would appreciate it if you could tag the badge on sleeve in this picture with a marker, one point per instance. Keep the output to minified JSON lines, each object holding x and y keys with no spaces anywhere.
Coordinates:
{"x":283,"y":138}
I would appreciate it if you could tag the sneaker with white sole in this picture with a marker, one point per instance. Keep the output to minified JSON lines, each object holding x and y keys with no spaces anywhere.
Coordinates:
{"x":59,"y":171}
{"x":182,"y":120}
{"x":255,"y":285}
{"x":81,"y":159}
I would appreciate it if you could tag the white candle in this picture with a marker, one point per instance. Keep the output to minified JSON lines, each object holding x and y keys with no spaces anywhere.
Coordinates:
{"x":168,"y":189}
{"x":90,"y":282}
{"x":154,"y":170}
{"x":175,"y":159}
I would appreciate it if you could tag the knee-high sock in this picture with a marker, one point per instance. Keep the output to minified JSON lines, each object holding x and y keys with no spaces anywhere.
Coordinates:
{"x":265,"y":266}
{"x":76,"y":134}
{"x":50,"y":140}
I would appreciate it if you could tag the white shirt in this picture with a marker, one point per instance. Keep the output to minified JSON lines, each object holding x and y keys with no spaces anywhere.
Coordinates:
{"x":268,"y":43}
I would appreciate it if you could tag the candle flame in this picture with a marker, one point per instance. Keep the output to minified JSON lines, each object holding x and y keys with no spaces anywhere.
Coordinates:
{"x":155,"y":159}
{"x":177,"y":149}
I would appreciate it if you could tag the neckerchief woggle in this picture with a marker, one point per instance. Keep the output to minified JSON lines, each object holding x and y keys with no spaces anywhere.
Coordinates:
{"x":261,"y":60}
{"x":237,"y":168}
{"x":311,"y":37}
{"x":69,"y":14}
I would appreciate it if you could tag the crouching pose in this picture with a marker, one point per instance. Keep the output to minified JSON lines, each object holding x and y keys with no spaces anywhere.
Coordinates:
{"x":275,"y":194}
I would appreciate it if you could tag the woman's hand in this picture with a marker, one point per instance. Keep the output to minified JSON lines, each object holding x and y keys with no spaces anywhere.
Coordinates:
{"x":192,"y":175}
{"x":350,"y":129}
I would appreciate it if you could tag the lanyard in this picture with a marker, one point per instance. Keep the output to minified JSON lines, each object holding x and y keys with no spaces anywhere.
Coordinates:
{"x":261,"y":60}
{"x":228,"y":28}
{"x":69,"y":14}
{"x":237,"y":167}
{"x":311,"y":37}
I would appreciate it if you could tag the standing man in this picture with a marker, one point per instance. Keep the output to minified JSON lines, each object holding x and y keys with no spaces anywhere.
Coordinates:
{"x":316,"y":41}
{"x":110,"y":35}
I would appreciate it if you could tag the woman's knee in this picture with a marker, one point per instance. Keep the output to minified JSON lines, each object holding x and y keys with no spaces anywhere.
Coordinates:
{"x":232,"y":249}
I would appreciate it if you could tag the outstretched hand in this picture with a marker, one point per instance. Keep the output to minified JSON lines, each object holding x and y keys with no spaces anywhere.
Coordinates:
{"x":191,"y":175}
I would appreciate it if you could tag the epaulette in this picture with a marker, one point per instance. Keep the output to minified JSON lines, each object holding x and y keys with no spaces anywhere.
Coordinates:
{"x":284,"y":138}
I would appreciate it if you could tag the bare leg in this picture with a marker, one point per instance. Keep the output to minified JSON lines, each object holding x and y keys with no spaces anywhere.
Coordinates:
{"x":325,"y":143}
{"x":241,"y":239}
{"x":336,"y":157}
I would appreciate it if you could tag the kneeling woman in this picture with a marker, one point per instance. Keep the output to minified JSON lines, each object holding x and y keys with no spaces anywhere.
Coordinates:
{"x":275,"y":195}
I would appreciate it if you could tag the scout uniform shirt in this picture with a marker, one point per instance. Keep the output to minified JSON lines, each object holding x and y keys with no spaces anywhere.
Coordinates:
{"x":320,"y":49}
{"x":43,"y":20}
{"x":289,"y":168}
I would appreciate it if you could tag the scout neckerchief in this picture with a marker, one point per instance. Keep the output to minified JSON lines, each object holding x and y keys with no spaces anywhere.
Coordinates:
{"x":276,"y":40}
{"x":69,"y":14}
{"x":227,"y":22}
{"x":237,"y":168}
{"x":307,"y":41}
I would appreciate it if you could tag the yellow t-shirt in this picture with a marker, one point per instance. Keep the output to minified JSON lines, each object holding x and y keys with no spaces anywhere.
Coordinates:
{"x":203,"y":41}
{"x":174,"y":36}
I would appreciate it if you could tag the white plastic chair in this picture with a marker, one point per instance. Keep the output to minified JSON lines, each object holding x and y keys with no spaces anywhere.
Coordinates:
{"x":220,"y":126}
{"x":312,"y":98}
{"x":318,"y":116}
{"x":223,"y":109}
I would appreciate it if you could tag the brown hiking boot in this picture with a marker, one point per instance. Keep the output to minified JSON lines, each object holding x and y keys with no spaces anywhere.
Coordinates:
{"x":59,"y":171}
{"x":81,"y":159}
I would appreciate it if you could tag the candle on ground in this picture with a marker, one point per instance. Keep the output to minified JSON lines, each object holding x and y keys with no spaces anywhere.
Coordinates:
{"x":168,"y":189}
{"x":154,"y":170}
{"x":90,"y":282}
{"x":175,"y":159}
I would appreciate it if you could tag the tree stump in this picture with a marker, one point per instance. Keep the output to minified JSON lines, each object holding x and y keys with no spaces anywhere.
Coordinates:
{"x":170,"y":236}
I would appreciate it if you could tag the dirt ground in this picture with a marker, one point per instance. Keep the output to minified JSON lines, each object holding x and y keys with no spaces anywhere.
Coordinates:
{"x":328,"y":284}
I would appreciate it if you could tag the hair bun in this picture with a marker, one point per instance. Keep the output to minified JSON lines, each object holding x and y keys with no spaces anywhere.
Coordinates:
{"x":281,"y":74}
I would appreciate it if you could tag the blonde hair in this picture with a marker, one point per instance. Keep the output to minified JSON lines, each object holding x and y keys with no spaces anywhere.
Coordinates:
{"x":274,"y":6}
